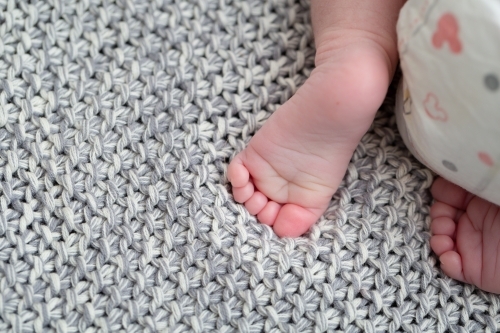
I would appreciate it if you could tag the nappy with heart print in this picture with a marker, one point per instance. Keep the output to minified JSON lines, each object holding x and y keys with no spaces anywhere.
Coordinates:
{"x":448,"y":105}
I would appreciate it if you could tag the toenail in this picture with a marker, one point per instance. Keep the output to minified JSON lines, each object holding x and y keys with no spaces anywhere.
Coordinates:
{"x":450,"y":166}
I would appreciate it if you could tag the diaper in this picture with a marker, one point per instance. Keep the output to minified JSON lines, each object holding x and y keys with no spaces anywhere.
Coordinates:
{"x":448,"y":103}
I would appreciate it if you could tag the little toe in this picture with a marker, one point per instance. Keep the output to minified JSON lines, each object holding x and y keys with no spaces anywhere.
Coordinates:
{"x":450,"y":194}
{"x":269,"y":213}
{"x":443,"y":226}
{"x":441,"y":244}
{"x":294,"y":221}
{"x":256,"y":203}
{"x":451,"y":264}
{"x":237,"y":173}
{"x":242,"y":194}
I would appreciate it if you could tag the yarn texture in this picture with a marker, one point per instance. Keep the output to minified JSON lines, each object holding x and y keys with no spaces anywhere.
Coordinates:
{"x":117,"y":122}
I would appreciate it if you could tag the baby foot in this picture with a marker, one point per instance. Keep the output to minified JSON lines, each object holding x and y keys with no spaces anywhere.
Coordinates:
{"x":466,"y":236}
{"x":295,"y":162}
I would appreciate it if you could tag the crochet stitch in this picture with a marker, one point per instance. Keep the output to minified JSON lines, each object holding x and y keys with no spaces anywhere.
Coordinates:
{"x":117,"y":121}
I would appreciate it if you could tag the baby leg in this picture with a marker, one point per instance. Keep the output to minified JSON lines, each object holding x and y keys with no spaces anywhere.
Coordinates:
{"x":295,"y":162}
{"x":448,"y":115}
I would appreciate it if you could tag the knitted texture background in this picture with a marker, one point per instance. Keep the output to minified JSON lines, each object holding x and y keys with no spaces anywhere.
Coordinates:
{"x":117,"y":121}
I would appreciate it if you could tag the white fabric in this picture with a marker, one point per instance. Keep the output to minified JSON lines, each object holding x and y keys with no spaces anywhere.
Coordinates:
{"x":449,"y":102}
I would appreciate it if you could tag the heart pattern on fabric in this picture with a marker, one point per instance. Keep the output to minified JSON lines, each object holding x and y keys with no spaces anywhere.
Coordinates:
{"x":433,"y":109}
{"x":447,"y":32}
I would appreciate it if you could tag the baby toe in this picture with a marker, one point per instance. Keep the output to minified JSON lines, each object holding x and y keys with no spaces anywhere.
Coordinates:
{"x":443,"y":226}
{"x":242,"y":194}
{"x":237,"y":173}
{"x":269,"y":213}
{"x":450,"y":194}
{"x":451,"y":264}
{"x":256,"y":203}
{"x":294,"y":221}
{"x":441,"y":209}
{"x":441,"y":244}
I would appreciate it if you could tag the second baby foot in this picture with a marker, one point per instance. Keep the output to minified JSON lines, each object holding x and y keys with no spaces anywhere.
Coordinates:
{"x":295,"y":162}
{"x":466,"y":236}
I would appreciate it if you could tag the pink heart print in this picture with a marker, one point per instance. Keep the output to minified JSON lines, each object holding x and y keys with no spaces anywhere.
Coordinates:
{"x":433,"y":109}
{"x":447,"y":32}
{"x":486,"y":159}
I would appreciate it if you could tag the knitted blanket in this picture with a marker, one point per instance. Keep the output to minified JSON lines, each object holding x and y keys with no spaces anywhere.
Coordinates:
{"x":117,"y":121}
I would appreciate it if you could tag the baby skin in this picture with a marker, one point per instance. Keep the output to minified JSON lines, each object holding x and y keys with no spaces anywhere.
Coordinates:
{"x":293,"y":165}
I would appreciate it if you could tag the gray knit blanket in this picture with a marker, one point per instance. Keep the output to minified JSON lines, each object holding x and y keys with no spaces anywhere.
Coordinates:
{"x":117,"y":121}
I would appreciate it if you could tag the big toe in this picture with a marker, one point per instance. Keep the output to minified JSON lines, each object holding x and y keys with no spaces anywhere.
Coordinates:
{"x":294,"y":220}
